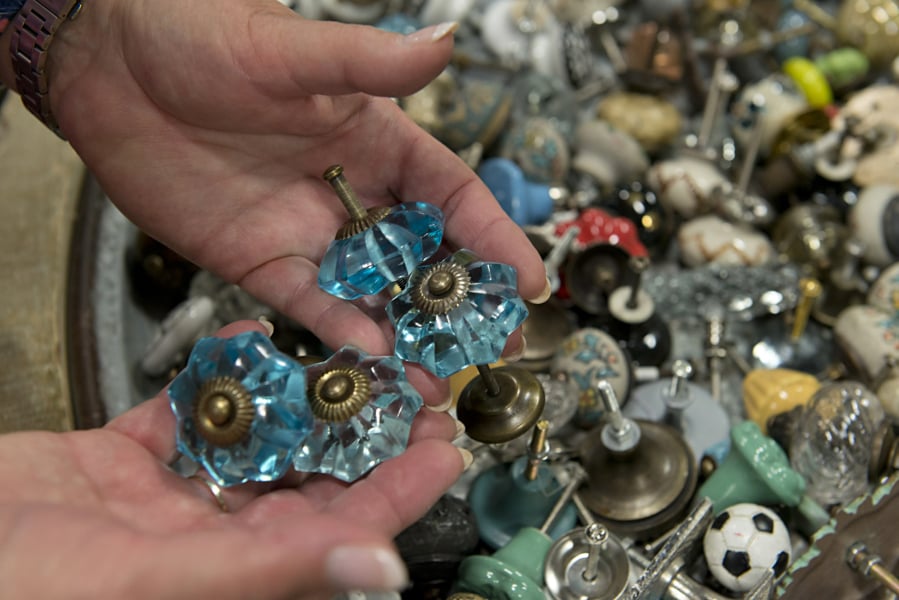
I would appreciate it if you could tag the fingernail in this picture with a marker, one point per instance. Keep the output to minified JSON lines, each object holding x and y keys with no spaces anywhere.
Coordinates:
{"x":544,"y":295}
{"x":434,"y":33}
{"x":443,"y":406}
{"x":460,"y":429}
{"x":366,"y":568}
{"x":467,"y":458}
{"x":269,"y":327}
{"x":519,"y":353}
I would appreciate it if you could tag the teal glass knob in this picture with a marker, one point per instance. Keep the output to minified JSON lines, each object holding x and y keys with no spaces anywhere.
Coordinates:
{"x":363,"y":407}
{"x":241,"y":408}
{"x":456,"y":313}
{"x":378,"y":246}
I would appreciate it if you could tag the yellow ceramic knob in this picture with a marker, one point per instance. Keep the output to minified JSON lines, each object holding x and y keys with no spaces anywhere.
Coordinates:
{"x":769,"y":392}
{"x":459,"y":380}
{"x":809,"y":78}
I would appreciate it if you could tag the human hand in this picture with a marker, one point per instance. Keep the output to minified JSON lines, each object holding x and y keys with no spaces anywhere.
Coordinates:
{"x":98,"y":514}
{"x":210,"y":125}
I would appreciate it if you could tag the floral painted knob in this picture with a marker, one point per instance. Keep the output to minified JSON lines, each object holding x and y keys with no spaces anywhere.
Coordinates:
{"x":241,"y":408}
{"x":378,"y":246}
{"x":363,"y":407}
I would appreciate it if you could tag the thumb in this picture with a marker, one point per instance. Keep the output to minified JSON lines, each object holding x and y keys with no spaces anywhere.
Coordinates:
{"x":335,"y":58}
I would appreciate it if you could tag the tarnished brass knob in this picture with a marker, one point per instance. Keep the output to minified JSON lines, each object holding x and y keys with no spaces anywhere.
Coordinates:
{"x":339,"y":394}
{"x":223,"y":411}
{"x":501,"y":404}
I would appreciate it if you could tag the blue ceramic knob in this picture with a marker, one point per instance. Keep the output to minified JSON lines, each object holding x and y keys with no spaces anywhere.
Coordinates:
{"x":687,"y":407}
{"x":363,"y":407}
{"x":504,"y":501}
{"x":399,"y":23}
{"x":241,"y":408}
{"x":376,"y":247}
{"x":456,"y":313}
{"x":525,"y":202}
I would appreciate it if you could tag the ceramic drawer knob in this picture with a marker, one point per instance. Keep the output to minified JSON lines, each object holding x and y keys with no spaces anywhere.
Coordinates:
{"x":867,"y":335}
{"x":783,"y":102}
{"x":884,"y":293}
{"x":702,"y":421}
{"x":587,"y":357}
{"x":770,"y":392}
{"x":871,"y":26}
{"x":608,"y":154}
{"x":686,"y":184}
{"x":526,"y":202}
{"x":871,"y":109}
{"x":712,"y":240}
{"x":519,"y":32}
{"x":539,"y":149}
{"x":434,"y":12}
{"x":355,"y":11}
{"x":599,"y":227}
{"x":875,"y":220}
{"x":651,"y":120}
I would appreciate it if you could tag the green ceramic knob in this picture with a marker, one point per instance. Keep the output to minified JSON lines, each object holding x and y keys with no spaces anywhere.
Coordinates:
{"x":515,"y":572}
{"x":758,"y":470}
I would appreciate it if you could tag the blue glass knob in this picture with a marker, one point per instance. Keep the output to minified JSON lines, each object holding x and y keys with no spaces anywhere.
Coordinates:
{"x":526,"y":202}
{"x":456,"y":313}
{"x":376,"y":247}
{"x":241,"y":408}
{"x":363,"y":407}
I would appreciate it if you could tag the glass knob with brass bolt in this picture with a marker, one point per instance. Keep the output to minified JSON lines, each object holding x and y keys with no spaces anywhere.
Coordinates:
{"x":460,"y":312}
{"x":241,"y":408}
{"x":363,"y":407}
{"x":376,"y":246}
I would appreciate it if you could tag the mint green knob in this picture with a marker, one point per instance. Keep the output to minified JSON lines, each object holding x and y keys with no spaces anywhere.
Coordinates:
{"x":843,"y":67}
{"x":758,"y":470}
{"x":514,"y":572}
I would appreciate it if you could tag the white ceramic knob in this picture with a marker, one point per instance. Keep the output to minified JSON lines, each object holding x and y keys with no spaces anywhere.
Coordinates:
{"x":710,"y":239}
{"x":875,"y":221}
{"x":868,"y":336}
{"x":607,"y":154}
{"x":686,"y":184}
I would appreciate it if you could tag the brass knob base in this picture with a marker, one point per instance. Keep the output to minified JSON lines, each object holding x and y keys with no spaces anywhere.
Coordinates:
{"x":644,"y":492}
{"x":494,"y":419}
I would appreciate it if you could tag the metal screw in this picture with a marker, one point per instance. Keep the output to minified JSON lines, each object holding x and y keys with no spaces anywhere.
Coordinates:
{"x":536,"y":449}
{"x":334,"y":176}
{"x":620,"y":434}
{"x":809,"y":289}
{"x":556,"y":256}
{"x":596,"y":536}
{"x":677,"y":394}
{"x":578,"y":475}
{"x":638,"y":265}
{"x":871,"y":565}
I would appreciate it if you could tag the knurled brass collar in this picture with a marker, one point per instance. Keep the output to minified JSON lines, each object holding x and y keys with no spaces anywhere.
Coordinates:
{"x":440,"y":288}
{"x":223,"y":411}
{"x":339,"y":394}
{"x":353,"y":226}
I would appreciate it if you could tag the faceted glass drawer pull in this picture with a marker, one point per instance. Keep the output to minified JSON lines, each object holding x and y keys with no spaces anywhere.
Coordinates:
{"x":241,"y":408}
{"x":363,"y":408}
{"x":378,"y":246}
{"x":456,"y":313}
